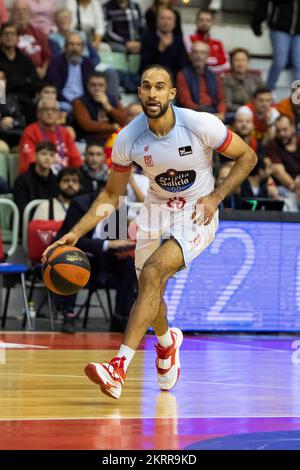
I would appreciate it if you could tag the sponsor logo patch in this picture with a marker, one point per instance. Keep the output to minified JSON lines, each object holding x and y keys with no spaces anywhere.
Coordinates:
{"x":185,"y":151}
{"x":175,"y":181}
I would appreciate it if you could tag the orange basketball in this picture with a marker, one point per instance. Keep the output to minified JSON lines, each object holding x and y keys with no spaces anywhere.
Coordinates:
{"x":66,"y":270}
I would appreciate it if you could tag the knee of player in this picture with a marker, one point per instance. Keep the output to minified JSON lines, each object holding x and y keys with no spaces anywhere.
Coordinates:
{"x":151,"y":275}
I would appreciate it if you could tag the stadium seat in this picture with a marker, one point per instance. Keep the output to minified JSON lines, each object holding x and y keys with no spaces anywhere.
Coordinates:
{"x":13,"y":167}
{"x":11,"y":270}
{"x":3,"y":166}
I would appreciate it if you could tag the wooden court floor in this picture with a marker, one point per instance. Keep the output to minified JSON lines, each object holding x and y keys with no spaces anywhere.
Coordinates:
{"x":229,"y":386}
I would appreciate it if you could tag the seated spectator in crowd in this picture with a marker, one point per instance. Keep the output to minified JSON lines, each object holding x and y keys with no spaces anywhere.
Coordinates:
{"x":38,"y":181}
{"x":94,"y":172}
{"x":137,"y":186}
{"x":12,"y":119}
{"x":151,"y":15}
{"x":68,"y":184}
{"x":42,"y":12}
{"x":87,"y":16}
{"x":46,"y":128}
{"x":284,"y":152}
{"x":218,"y":60}
{"x":257,"y":184}
{"x":243,"y":126}
{"x":132,"y":110}
{"x":32,"y":41}
{"x":22,"y":78}
{"x":57,"y":39}
{"x":68,"y":71}
{"x":104,"y":263}
{"x":233,"y":200}
{"x":4,"y":186}
{"x":291,"y":106}
{"x":3,"y":12}
{"x":239,"y":84}
{"x":47,"y":90}
{"x":96,"y":113}
{"x":292,"y":202}
{"x":264,"y":114}
{"x":198,"y":87}
{"x":163,"y":46}
{"x":124,"y":26}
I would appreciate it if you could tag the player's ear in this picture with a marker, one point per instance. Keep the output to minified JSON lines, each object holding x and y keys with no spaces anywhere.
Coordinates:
{"x":139,"y":92}
{"x":172,"y":94}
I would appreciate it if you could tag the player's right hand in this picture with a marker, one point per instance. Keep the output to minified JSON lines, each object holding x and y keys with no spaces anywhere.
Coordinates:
{"x":68,"y":239}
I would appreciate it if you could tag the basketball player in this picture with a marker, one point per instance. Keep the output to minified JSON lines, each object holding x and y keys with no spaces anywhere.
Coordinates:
{"x":174,"y":146}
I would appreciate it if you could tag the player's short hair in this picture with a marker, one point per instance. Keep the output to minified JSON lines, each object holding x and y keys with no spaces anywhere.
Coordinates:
{"x":161,"y":67}
{"x":260,"y":90}
{"x":45,"y":145}
{"x":238,"y":50}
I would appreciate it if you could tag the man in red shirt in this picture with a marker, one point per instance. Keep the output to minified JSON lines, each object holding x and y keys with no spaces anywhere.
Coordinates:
{"x":218,"y":60}
{"x":47,"y":129}
{"x":198,"y":87}
{"x":32,"y":41}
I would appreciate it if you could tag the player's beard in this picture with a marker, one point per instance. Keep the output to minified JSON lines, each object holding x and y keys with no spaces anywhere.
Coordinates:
{"x":161,"y":111}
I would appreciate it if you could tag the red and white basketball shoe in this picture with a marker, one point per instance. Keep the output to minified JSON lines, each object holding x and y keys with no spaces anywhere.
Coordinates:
{"x":110,"y":376}
{"x":167,"y":361}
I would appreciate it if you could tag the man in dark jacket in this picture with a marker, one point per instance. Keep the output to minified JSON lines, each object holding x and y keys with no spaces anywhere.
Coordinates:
{"x":69,"y":71}
{"x":94,"y":172}
{"x":38,"y":182}
{"x":284,"y":23}
{"x":22,"y":78}
{"x":163,"y":46}
{"x":107,"y":258}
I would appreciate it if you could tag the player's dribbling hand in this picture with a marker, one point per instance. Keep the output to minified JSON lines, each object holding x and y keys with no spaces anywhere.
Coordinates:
{"x":68,"y":239}
{"x":205,"y":209}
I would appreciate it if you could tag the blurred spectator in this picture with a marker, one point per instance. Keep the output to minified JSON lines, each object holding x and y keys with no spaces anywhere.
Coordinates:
{"x":42,"y":12}
{"x":12,"y":120}
{"x":163,"y":46}
{"x":292,"y":202}
{"x":57,"y":39}
{"x":239,"y":84}
{"x":4,"y":186}
{"x":283,"y":18}
{"x":3,"y":13}
{"x":97,"y":114}
{"x":151,"y":15}
{"x":32,"y":41}
{"x":218,"y":60}
{"x":243,"y":126}
{"x":132,"y":110}
{"x":68,"y":71}
{"x":46,"y":128}
{"x":94,"y":172}
{"x":263,"y":112}
{"x":256,"y":185}
{"x":138,"y":186}
{"x":291,"y":106}
{"x":197,"y":87}
{"x":104,"y":263}
{"x":124,"y":26}
{"x":87,"y":16}
{"x":284,"y":152}
{"x":38,"y":181}
{"x":22,"y":78}
{"x":68,"y":184}
{"x":233,"y":200}
{"x":47,"y":90}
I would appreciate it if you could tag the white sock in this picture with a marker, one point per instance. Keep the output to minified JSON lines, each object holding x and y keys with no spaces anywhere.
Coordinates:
{"x":128,"y":353}
{"x":165,"y":340}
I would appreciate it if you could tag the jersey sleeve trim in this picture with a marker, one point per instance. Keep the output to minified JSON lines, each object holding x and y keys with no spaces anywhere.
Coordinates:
{"x":226,"y":142}
{"x":121,"y":168}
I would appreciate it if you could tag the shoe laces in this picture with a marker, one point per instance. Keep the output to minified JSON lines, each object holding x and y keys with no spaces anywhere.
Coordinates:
{"x":118,"y":365}
{"x":164,"y":353}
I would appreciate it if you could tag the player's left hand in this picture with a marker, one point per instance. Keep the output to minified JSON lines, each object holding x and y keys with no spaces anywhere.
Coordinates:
{"x":205,"y":209}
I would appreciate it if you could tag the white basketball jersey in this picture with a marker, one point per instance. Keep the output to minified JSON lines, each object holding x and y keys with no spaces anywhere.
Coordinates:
{"x":178,"y":165}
